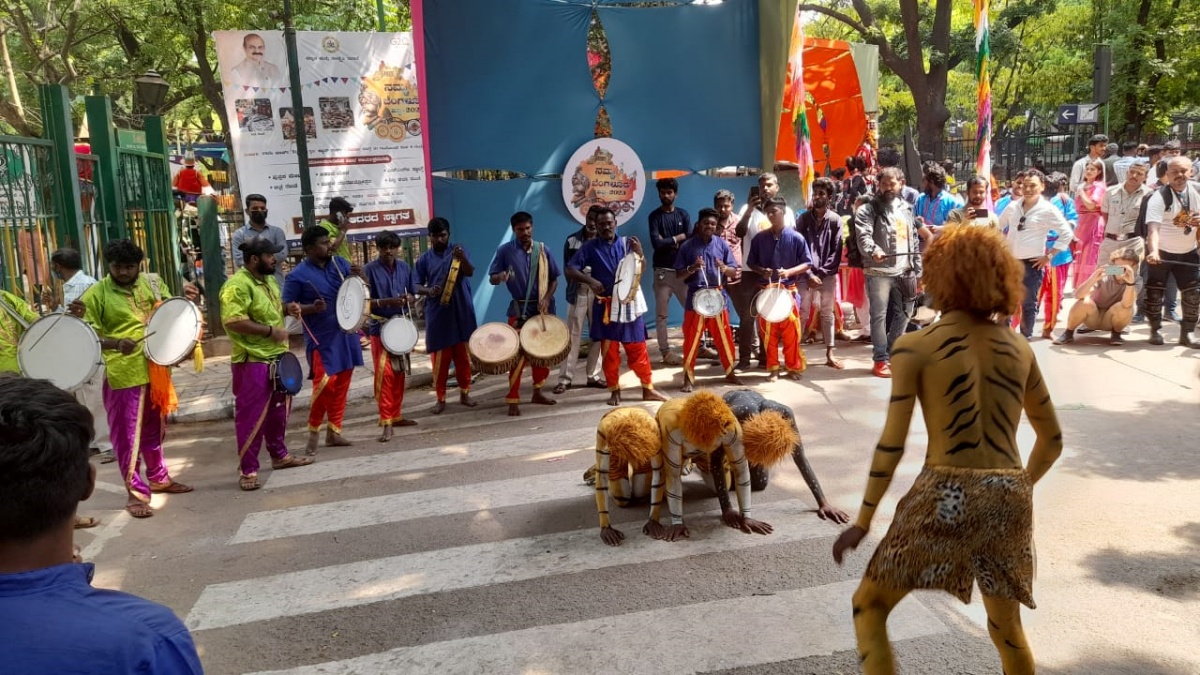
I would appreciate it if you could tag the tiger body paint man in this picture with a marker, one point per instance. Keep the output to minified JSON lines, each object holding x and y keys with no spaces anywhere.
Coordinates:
{"x":969,"y":515}
{"x":693,"y":428}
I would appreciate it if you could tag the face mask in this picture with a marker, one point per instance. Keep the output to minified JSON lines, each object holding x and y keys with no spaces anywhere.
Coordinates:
{"x":258,"y":217}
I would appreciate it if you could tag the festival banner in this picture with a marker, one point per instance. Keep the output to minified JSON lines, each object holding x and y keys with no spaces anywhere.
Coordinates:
{"x":360,"y":118}
{"x":604,"y":172}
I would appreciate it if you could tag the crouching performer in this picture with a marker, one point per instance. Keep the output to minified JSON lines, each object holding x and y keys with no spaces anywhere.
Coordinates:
{"x":693,"y":428}
{"x":1105,"y":299}
{"x":626,"y":440}
{"x":770,"y":436}
{"x":969,"y":515}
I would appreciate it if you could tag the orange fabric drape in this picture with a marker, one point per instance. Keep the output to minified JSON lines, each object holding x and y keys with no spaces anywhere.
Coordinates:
{"x":831,"y":81}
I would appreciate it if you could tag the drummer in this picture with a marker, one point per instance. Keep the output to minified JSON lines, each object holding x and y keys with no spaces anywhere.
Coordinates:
{"x":531,"y":275}
{"x":448,"y":326}
{"x":780,"y":253}
{"x":11,"y":329}
{"x":391,"y":282}
{"x":252,"y":313}
{"x":138,"y":394}
{"x":310,"y":293}
{"x":703,"y":261}
{"x":603,"y":254}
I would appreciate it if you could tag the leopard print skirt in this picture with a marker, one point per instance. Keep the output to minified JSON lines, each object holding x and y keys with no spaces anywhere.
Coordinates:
{"x":961,"y":525}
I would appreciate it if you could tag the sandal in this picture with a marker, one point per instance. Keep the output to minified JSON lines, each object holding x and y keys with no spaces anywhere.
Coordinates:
{"x":406,"y":423}
{"x":171,"y":488}
{"x":559,"y":388}
{"x":290,"y":461}
{"x":139,"y":510}
{"x":84,"y":522}
{"x":249,"y":483}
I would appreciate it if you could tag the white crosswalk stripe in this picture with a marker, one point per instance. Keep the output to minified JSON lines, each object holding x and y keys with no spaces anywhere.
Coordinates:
{"x":370,"y":581}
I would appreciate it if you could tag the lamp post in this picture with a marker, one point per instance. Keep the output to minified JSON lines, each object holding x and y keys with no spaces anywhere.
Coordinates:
{"x":149,"y":92}
{"x":299,"y":123}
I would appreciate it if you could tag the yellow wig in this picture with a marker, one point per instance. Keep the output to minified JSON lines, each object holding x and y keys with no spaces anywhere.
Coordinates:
{"x":769,"y":438}
{"x":632,"y":435}
{"x":704,"y":418}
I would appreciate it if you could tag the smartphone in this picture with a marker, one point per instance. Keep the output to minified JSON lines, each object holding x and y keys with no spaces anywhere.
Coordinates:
{"x":1114,"y":270}
{"x":981,"y":213}
{"x":754,"y":191}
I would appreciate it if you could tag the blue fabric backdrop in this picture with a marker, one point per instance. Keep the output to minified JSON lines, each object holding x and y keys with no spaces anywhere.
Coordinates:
{"x":509,"y":88}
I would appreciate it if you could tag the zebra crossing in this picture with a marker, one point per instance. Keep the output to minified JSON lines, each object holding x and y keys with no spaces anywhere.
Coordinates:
{"x":471,"y":546}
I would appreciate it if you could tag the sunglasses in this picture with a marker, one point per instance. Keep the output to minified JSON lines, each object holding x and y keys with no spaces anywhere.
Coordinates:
{"x":1021,"y":224}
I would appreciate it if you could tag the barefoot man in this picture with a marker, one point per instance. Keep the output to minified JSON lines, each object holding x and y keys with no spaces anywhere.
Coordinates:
{"x":705,"y":261}
{"x":611,"y":324}
{"x":444,"y":277}
{"x":531,"y":275}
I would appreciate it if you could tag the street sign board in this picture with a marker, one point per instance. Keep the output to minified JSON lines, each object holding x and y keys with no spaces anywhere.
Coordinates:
{"x":1077,"y":113}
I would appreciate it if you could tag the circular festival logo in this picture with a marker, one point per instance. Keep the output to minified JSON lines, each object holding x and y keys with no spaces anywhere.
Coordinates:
{"x":607,"y":172}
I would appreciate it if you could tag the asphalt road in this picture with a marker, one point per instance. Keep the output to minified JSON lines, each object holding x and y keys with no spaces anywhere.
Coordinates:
{"x":470,"y":544}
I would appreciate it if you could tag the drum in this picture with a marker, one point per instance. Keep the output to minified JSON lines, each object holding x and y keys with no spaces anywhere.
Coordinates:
{"x":774,"y":303}
{"x":708,"y":302}
{"x":172,"y":331}
{"x":60,"y":348}
{"x":353,"y":304}
{"x":628,"y":278}
{"x":545,"y":340}
{"x":287,"y":374}
{"x":495,"y":348}
{"x":398,"y":335}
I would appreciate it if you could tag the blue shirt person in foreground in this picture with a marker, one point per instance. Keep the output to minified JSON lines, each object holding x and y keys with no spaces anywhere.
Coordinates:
{"x":310,"y":292}
{"x":530,"y":273}
{"x":705,"y":261}
{"x":443,"y":276}
{"x":55,"y":621}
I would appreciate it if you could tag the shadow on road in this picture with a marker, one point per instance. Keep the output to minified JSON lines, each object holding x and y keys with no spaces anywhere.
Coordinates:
{"x":1139,"y":664}
{"x":1170,"y":575}
{"x":1113,"y":444}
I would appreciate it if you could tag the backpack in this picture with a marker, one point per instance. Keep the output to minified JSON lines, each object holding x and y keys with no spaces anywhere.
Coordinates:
{"x":854,"y":257}
{"x":1168,"y":197}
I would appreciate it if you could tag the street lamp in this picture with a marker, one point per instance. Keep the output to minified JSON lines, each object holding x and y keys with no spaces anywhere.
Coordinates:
{"x":150,"y":90}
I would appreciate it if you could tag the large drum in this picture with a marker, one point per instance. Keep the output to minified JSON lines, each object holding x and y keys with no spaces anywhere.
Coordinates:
{"x":495,"y":348}
{"x":774,"y":303}
{"x":60,"y":348}
{"x":398,"y":335}
{"x":628,"y":278}
{"x":708,"y":302}
{"x":353,"y":304}
{"x":172,"y":332}
{"x":545,"y":340}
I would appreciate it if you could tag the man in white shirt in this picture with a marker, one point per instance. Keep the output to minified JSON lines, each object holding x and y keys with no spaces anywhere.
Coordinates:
{"x":1096,"y":146}
{"x":1120,"y":206}
{"x":1173,"y":230}
{"x":751,"y":221}
{"x":254,"y":70}
{"x":66,"y":265}
{"x":1027,"y":224}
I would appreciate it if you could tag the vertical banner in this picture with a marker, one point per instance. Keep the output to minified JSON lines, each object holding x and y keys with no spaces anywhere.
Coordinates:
{"x":983,"y":55}
{"x":795,"y":97}
{"x":361,"y":119}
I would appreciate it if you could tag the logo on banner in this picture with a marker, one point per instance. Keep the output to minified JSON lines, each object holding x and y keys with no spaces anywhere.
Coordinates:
{"x":604,"y":172}
{"x":330,"y":44}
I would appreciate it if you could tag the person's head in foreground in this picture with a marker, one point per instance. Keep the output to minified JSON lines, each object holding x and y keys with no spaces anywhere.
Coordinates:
{"x":970,"y":269}
{"x":55,"y":621}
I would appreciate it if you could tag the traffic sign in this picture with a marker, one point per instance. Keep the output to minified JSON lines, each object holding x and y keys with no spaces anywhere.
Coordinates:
{"x":1077,"y":113}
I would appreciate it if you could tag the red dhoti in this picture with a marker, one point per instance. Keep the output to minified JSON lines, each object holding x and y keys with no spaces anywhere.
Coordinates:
{"x":441,"y":369}
{"x":389,"y":384}
{"x":635,"y":354}
{"x":329,"y":396}
{"x":788,"y":331}
{"x":540,"y":374}
{"x":718,"y":328}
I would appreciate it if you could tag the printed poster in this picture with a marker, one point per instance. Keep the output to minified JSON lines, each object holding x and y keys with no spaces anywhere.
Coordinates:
{"x":360,"y":118}
{"x":604,"y":172}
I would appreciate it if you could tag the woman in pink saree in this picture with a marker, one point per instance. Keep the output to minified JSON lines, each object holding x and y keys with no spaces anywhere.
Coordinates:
{"x":1090,"y":230}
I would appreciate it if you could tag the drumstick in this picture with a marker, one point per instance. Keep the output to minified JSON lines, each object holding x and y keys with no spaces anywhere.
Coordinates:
{"x":308,"y":330}
{"x":48,"y":329}
{"x":147,"y":335}
{"x":316,"y":290}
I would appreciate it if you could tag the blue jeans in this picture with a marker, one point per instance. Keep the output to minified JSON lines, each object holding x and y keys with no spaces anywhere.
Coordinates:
{"x":889,"y":315}
{"x":1029,"y":305}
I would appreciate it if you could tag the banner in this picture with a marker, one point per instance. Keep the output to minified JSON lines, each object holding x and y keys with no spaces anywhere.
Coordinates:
{"x":360,"y":118}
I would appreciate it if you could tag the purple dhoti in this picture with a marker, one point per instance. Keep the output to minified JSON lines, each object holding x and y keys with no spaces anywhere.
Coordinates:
{"x":259,"y":414}
{"x":135,"y":428}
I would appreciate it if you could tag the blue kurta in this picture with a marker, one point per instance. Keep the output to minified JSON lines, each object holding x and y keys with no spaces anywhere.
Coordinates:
{"x":387,"y":283}
{"x":603,"y":257}
{"x":454,"y":323}
{"x":789,"y":250}
{"x":339,"y":350}
{"x":714,"y":252}
{"x":511,"y":257}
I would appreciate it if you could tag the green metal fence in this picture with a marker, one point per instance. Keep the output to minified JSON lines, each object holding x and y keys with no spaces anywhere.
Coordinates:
{"x":145,"y":180}
{"x":27,"y":215}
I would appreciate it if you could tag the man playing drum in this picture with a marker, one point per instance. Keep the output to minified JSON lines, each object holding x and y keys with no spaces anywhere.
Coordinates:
{"x":603,"y":254}
{"x":15,"y":316}
{"x":137,"y":393}
{"x":781,"y":253}
{"x":310,"y":293}
{"x":531,"y":275}
{"x":443,"y":277}
{"x":702,"y":263}
{"x":252,"y":313}
{"x":391,"y":283}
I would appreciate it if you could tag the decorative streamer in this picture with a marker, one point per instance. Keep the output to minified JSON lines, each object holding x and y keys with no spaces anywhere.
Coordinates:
{"x":983,"y":56}
{"x":795,"y":96}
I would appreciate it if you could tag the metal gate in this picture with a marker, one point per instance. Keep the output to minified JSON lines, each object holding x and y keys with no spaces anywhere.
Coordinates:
{"x":27,"y":214}
{"x":144,"y":180}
